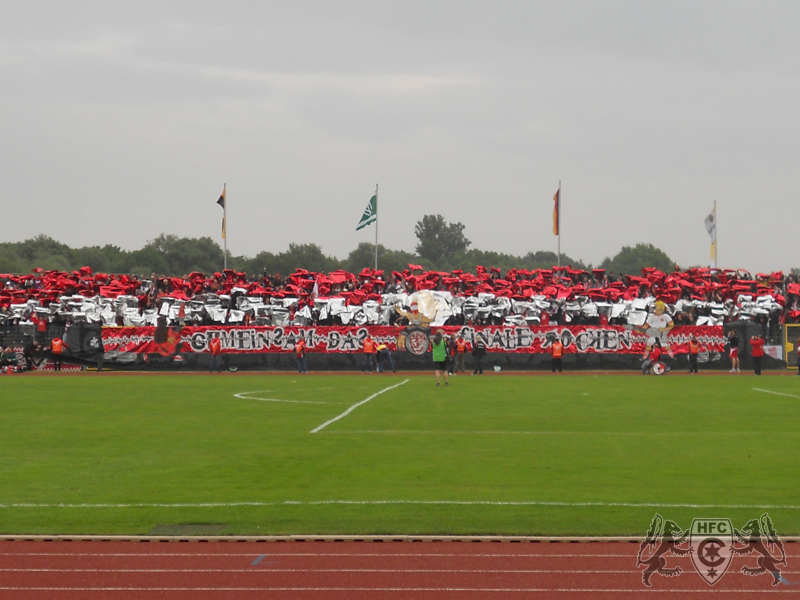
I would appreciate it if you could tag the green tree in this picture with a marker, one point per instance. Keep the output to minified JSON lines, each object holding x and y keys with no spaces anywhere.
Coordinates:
{"x":532,"y":260}
{"x":184,"y":255}
{"x":388,"y":260}
{"x":440,"y":242}
{"x":631,"y":260}
{"x":10,"y":261}
{"x":298,"y":256}
{"x":42,"y":251}
{"x":92,"y":256}
{"x":148,"y":260}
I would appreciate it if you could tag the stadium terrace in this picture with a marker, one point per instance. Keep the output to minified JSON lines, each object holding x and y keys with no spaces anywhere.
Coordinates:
{"x":557,"y":296}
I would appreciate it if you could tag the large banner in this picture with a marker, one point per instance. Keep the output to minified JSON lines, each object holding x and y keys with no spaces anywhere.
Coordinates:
{"x":609,"y":339}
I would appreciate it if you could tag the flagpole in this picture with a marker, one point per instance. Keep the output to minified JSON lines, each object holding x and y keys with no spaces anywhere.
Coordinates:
{"x":376,"y":226}
{"x":225,"y":228}
{"x":558,"y":216}
{"x":716,"y":234}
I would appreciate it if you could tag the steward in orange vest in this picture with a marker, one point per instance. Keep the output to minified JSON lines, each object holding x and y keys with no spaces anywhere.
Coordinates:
{"x":56,"y":349}
{"x":694,"y":350}
{"x":557,"y":350}
{"x":461,"y":349}
{"x":369,"y":356}
{"x":215,"y":347}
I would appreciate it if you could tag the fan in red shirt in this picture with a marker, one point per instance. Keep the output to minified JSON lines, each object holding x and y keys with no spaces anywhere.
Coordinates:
{"x":757,"y":352}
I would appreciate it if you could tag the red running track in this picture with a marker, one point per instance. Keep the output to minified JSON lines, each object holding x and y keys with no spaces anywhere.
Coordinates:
{"x":357,"y":570}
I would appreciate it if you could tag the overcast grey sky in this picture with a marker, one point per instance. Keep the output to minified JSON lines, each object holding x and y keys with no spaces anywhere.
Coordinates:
{"x":121,"y":121}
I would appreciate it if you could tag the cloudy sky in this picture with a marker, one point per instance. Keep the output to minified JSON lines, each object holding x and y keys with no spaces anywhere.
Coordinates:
{"x":121,"y":121}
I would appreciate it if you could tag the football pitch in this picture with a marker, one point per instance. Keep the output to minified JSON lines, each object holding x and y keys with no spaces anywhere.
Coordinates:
{"x":263,"y":454}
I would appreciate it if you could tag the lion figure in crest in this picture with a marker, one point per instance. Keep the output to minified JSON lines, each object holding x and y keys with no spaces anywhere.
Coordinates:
{"x":758,"y":535}
{"x":663,"y":536}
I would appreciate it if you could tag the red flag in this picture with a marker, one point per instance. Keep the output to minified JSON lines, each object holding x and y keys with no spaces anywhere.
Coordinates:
{"x":556,"y":209}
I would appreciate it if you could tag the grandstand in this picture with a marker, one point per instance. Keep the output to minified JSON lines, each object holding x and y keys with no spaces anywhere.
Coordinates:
{"x":543,"y":301}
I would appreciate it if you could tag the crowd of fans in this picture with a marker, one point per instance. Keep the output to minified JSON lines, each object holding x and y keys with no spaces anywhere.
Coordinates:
{"x":560,"y":295}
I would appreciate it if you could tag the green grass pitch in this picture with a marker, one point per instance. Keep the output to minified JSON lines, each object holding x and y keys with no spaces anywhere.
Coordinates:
{"x":517,"y":455}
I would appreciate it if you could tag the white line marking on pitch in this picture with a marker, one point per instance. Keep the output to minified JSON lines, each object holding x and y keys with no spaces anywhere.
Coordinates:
{"x":463,"y":432}
{"x":244,"y":396}
{"x":357,"y":404}
{"x":409,"y":502}
{"x":776,"y":393}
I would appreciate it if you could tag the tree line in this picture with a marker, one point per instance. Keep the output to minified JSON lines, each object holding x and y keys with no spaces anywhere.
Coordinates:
{"x":441,"y":246}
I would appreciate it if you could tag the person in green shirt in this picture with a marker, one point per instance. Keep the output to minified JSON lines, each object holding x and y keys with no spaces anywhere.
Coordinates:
{"x":439,"y":347}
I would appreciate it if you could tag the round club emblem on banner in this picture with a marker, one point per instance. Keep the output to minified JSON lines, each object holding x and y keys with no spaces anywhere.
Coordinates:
{"x":417,"y":342}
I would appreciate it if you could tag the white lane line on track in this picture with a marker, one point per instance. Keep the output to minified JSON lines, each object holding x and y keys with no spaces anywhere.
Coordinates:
{"x":409,"y":502}
{"x":271,"y":570}
{"x":320,"y":554}
{"x":776,"y":393}
{"x":357,"y":404}
{"x":337,"y":555}
{"x":397,"y":589}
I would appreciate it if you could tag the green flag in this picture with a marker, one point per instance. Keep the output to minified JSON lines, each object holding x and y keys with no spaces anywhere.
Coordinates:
{"x":370,"y":213}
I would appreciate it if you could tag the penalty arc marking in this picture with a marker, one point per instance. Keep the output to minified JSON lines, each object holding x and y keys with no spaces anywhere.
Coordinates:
{"x":776,"y":393}
{"x":357,"y":404}
{"x":248,"y":396}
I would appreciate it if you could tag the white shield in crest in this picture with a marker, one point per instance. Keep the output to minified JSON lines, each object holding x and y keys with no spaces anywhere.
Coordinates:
{"x":711,"y":541}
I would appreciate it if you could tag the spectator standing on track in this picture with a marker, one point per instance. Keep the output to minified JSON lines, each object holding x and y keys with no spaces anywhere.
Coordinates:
{"x":694,"y":350}
{"x":797,"y":349}
{"x":461,"y":350}
{"x":733,"y":351}
{"x":57,"y":350}
{"x":27,"y":354}
{"x":757,"y":352}
{"x":439,"y":351}
{"x":478,"y":352}
{"x":300,"y":353}
{"x":369,"y":355}
{"x":101,"y":353}
{"x":384,"y":356}
{"x":215,"y":347}
{"x":557,"y":350}
{"x":451,"y":354}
